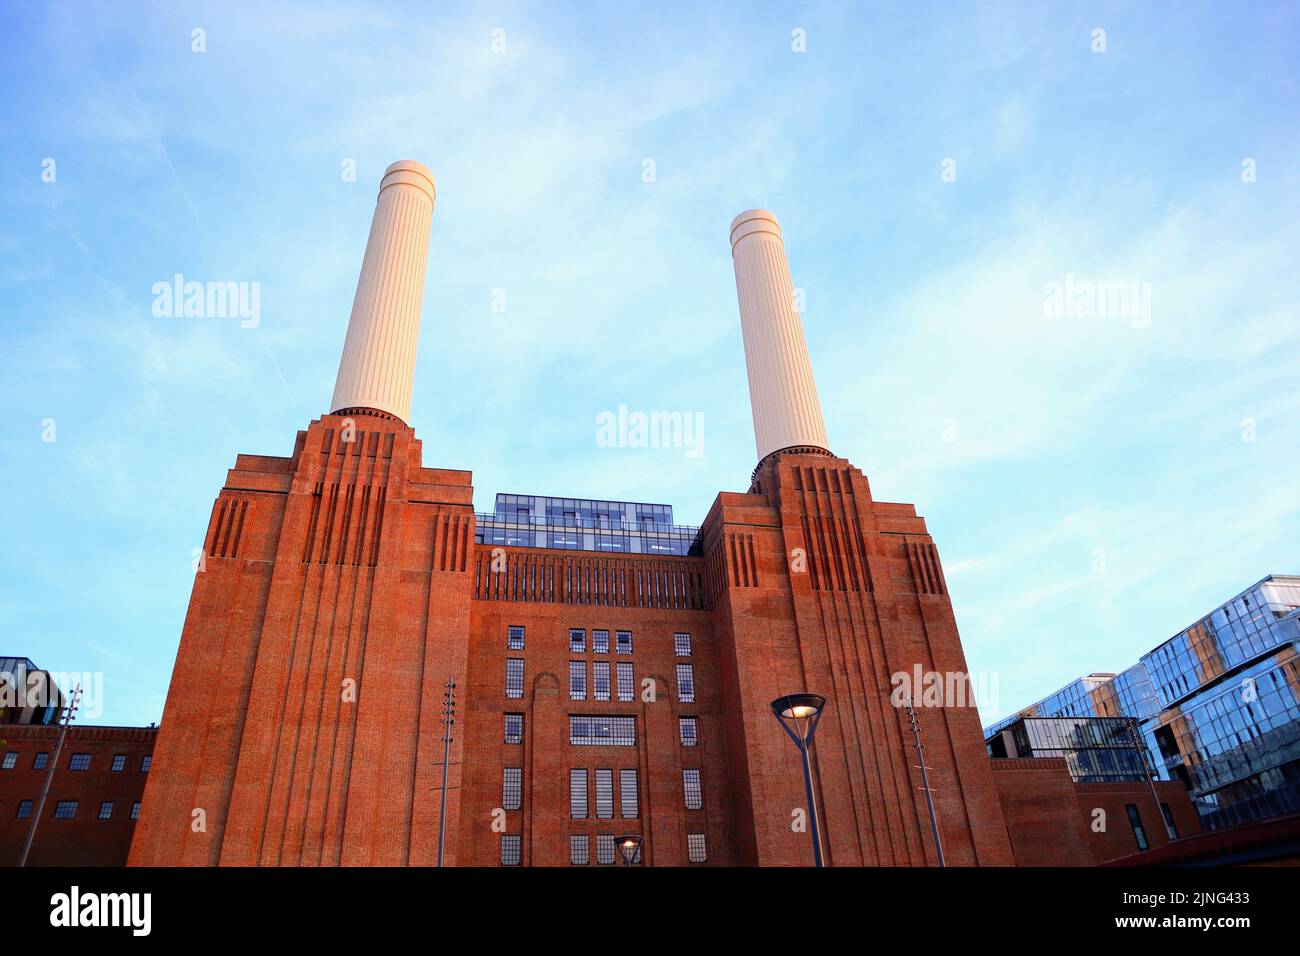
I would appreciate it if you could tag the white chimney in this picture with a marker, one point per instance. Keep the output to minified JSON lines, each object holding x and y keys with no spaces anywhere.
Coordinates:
{"x":782,"y":393}
{"x":377,"y":370}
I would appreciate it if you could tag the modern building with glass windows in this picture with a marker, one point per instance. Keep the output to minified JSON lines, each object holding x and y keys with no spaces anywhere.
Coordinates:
{"x":1218,"y":705}
{"x":584,"y":524}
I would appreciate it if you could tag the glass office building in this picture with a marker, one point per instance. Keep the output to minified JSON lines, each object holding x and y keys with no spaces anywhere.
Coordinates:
{"x":1219,"y":705}
{"x":585,"y":524}
{"x":1096,"y":749}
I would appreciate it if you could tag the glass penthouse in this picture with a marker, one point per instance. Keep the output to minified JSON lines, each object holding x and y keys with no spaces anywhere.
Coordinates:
{"x":585,"y":524}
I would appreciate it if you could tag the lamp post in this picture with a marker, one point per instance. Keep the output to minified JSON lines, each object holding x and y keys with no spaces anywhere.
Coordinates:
{"x":798,"y":715}
{"x":629,"y":847}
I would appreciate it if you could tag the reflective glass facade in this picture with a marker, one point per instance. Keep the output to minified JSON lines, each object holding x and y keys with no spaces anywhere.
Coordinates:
{"x":1096,"y":749}
{"x":584,"y":524}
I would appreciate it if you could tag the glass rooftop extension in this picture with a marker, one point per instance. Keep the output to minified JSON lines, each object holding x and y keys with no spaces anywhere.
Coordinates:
{"x":585,"y":524}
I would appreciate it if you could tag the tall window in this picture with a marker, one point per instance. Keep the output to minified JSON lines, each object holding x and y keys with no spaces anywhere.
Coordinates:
{"x":41,"y":762}
{"x":604,"y":794}
{"x":579,"y":850}
{"x":514,"y":677}
{"x":691,"y":787}
{"x":514,"y":729}
{"x":119,"y":763}
{"x":626,"y":683}
{"x":1169,"y":820}
{"x":1135,"y":821}
{"x":135,"y":810}
{"x":686,"y":683}
{"x":515,"y":637}
{"x":578,"y":794}
{"x":600,"y":680}
{"x":510,"y":855}
{"x":106,"y":810}
{"x":596,"y":731}
{"x":24,"y":809}
{"x":682,"y":644}
{"x":623,"y":641}
{"x":577,"y":680}
{"x":688,"y":729}
{"x":512,"y":788}
{"x":695,"y":850}
{"x":79,"y":762}
{"x":65,"y":810}
{"x":628,"y":799}
{"x":146,"y":762}
{"x":10,"y":760}
{"x":605,"y":849}
{"x":577,"y":640}
{"x":600,"y":642}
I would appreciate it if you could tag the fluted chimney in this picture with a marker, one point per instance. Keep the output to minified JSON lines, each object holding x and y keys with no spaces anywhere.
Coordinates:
{"x":377,"y":371}
{"x":782,"y":393}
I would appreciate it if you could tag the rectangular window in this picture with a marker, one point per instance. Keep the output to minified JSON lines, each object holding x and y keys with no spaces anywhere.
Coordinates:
{"x":514,"y":729}
{"x":1169,"y":820}
{"x":579,"y":850}
{"x":626,"y":681}
{"x":135,"y":810}
{"x":682,"y":644}
{"x":577,"y":680}
{"x":119,"y":763}
{"x":79,"y":762}
{"x":512,"y":788}
{"x":24,"y":809}
{"x":688,"y":729}
{"x":600,"y":680}
{"x":146,"y":762}
{"x":623,"y":641}
{"x":628,"y":799}
{"x":514,"y":677}
{"x":106,"y":810}
{"x":510,"y":855}
{"x":1135,"y":820}
{"x":10,"y":760}
{"x":65,"y":810}
{"x":41,"y":762}
{"x":604,"y":794}
{"x":686,"y":683}
{"x":600,"y":642}
{"x":578,"y":794}
{"x":691,"y":788}
{"x":577,"y":640}
{"x":515,"y":638}
{"x":602,"y":731}
{"x":695,"y":851}
{"x":605,"y":849}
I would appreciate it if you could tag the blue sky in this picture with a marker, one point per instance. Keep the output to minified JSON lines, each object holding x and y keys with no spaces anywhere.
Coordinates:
{"x":1033,"y":445}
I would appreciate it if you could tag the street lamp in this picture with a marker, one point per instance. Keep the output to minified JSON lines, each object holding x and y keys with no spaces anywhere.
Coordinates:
{"x":798,"y":715}
{"x":629,"y":848}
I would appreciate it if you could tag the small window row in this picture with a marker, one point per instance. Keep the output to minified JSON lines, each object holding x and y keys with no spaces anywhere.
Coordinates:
{"x":76,"y":761}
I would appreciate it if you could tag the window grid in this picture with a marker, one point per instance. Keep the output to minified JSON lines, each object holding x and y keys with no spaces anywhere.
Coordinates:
{"x":577,"y":680}
{"x":514,"y":677}
{"x":24,"y":809}
{"x":41,"y":761}
{"x":577,"y":640}
{"x":605,"y":850}
{"x":695,"y":848}
{"x":626,"y":682}
{"x":600,"y":680}
{"x":146,"y":762}
{"x":579,"y":850}
{"x":629,"y":800}
{"x":686,"y":683}
{"x":623,"y":641}
{"x":578,"y":794}
{"x":10,"y":760}
{"x":512,"y":788}
{"x":135,"y":810}
{"x":514,"y":638}
{"x":600,"y":642}
{"x":689,"y":731}
{"x":682,"y":644}
{"x":119,"y":763}
{"x":604,"y":794}
{"x":106,"y":810}
{"x":691,"y":788}
{"x":79,"y":762}
{"x":510,"y":849}
{"x":593,"y":731}
{"x":514,"y":730}
{"x":65,"y":810}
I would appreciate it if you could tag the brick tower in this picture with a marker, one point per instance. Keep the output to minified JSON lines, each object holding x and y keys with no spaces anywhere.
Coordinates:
{"x":346,"y":585}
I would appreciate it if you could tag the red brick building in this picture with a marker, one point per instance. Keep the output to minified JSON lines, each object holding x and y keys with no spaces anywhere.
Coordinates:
{"x":344,"y":587}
